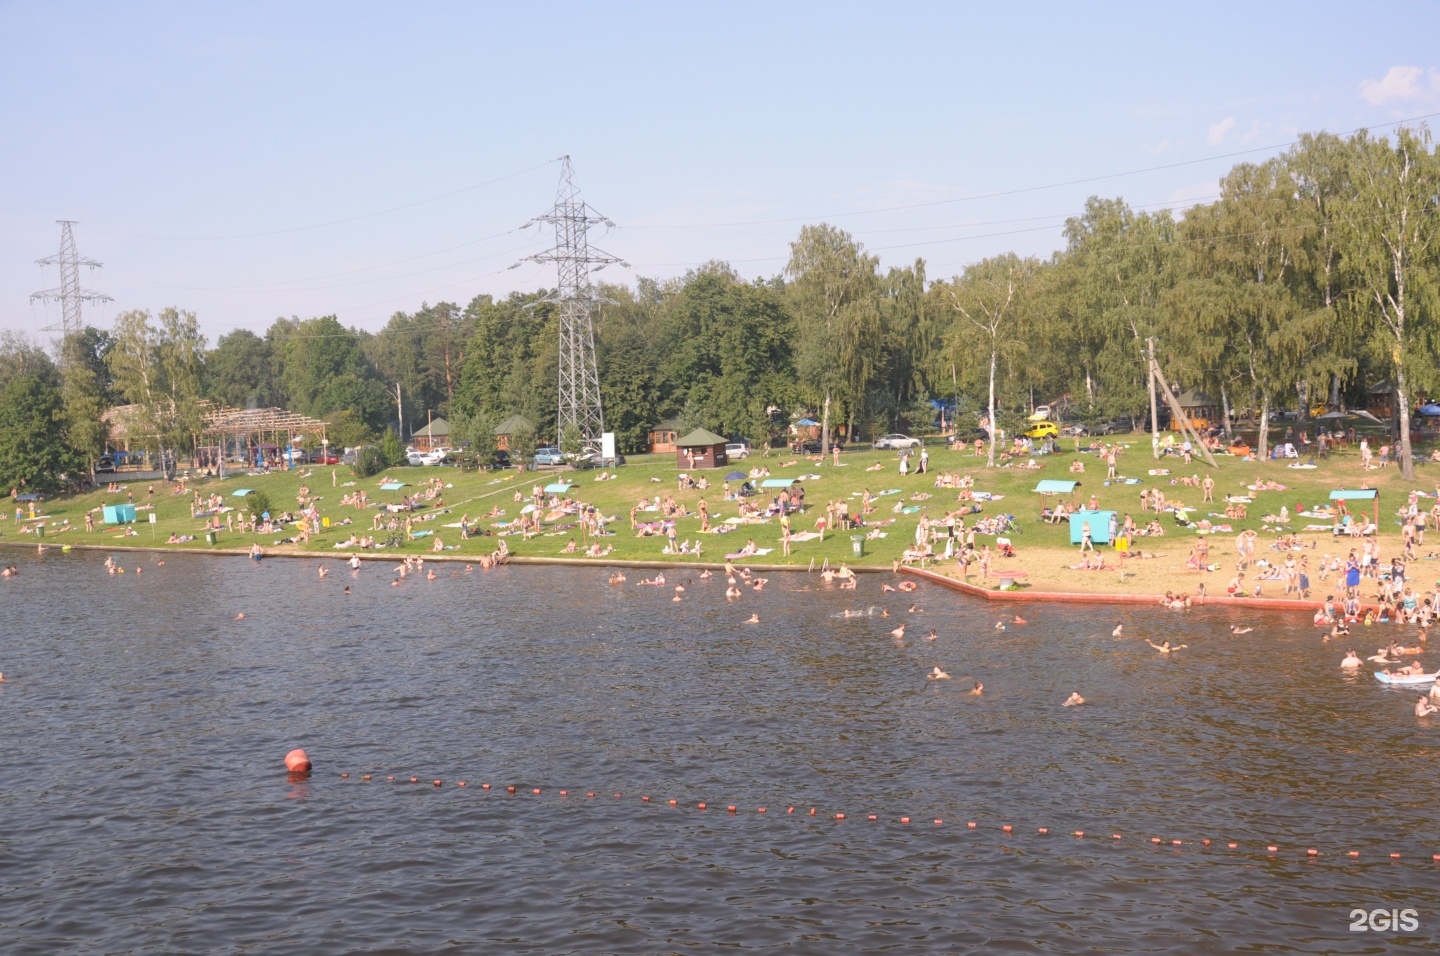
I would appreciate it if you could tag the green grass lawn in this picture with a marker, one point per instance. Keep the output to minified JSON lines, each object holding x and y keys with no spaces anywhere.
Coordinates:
{"x":477,"y":492}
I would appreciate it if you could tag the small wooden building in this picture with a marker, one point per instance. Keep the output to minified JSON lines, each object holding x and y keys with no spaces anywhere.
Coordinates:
{"x":707,"y":448}
{"x":663,"y":435}
{"x":508,"y":427}
{"x":1199,"y":408}
{"x":432,"y":436}
{"x":1380,"y":400}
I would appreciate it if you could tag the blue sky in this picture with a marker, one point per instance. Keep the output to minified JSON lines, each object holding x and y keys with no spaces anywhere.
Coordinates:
{"x":248,"y":161}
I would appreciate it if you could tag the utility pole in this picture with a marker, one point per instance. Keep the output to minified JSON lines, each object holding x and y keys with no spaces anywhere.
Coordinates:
{"x":575,"y":259}
{"x":399,"y":413}
{"x":1154,"y":408}
{"x":68,"y":293}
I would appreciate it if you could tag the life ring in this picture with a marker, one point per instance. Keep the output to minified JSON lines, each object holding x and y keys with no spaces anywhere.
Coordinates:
{"x":908,"y":585}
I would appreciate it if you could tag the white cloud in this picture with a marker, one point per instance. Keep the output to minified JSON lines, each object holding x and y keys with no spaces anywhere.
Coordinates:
{"x":1401,"y":83}
{"x":1163,"y":146}
{"x":1217,"y":132}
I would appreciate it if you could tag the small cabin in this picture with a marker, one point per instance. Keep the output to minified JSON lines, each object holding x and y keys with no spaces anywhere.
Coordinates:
{"x":663,"y":436}
{"x":1200,"y":409}
{"x":706,"y":447}
{"x":1380,"y":400}
{"x":432,"y":436}
{"x":509,"y":427}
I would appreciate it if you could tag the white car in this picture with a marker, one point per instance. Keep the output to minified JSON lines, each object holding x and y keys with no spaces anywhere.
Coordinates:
{"x":436,"y":457}
{"x":897,"y":442}
{"x":737,"y":449}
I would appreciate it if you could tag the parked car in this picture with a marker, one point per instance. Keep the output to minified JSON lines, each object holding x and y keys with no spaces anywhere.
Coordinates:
{"x":737,"y":449}
{"x":549,"y":455}
{"x":1116,"y":426}
{"x":896,"y":442}
{"x":1042,"y":430}
{"x":104,"y":463}
{"x":325,"y":458}
{"x":435,"y":457}
{"x":812,"y":446}
{"x":1075,"y":430}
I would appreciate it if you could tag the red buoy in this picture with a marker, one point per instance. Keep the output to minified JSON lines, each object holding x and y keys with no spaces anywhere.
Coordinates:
{"x":296,"y":761}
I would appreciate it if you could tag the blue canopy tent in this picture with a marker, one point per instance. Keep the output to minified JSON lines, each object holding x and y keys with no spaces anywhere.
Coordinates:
{"x":736,"y":476}
{"x":778,"y":482}
{"x":1055,"y":486}
{"x":558,"y":488}
{"x":1360,"y":494}
{"x":1098,"y":522}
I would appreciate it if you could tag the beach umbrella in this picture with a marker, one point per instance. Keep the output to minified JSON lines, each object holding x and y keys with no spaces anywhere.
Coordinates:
{"x":1429,"y":411}
{"x":1331,"y":416}
{"x":735,"y":476}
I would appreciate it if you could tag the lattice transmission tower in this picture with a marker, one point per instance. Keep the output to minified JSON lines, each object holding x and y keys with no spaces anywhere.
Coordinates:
{"x":575,"y":259}
{"x":68,"y":293}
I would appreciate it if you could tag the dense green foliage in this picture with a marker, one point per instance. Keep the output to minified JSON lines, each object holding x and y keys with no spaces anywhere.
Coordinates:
{"x":1309,"y":281}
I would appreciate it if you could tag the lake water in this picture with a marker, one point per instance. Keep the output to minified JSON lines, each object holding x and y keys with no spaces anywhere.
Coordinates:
{"x":145,"y":807}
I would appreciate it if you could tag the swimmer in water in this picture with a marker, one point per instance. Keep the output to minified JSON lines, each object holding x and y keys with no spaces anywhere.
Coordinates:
{"x":323,"y":570}
{"x":1073,"y":700}
{"x":1423,"y":707}
{"x":977,"y":690}
{"x":430,"y":575}
{"x":753,"y":619}
{"x":1350,"y":660}
{"x":347,"y":589}
{"x":705,"y":575}
{"x":1117,"y":632}
{"x":1237,"y":629}
{"x":937,"y":674}
{"x":999,"y":625}
{"x":932,"y":635}
{"x":1165,"y":647}
{"x":239,"y":617}
{"x":898,"y":633}
{"x":1019,"y":620}
{"x":886,"y":587}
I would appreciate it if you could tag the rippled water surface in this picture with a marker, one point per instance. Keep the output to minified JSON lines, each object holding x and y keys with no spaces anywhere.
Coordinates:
{"x":145,"y":808}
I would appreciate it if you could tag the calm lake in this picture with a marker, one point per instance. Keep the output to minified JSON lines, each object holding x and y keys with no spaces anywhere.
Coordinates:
{"x":145,"y":807}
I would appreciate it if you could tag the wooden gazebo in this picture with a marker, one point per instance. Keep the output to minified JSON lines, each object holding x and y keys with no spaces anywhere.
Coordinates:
{"x":509,"y":427}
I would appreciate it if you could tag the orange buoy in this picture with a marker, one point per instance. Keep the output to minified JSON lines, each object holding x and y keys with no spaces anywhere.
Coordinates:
{"x":1357,"y":853}
{"x":700,"y":806}
{"x":344,"y":775}
{"x":731,"y":808}
{"x":437,"y":783}
{"x":536,"y":791}
{"x":296,"y":761}
{"x":366,"y":777}
{"x":872,"y":817}
{"x":1115,"y":836}
{"x":1394,"y":856}
{"x":904,"y":819}
{"x":509,"y":789}
{"x":414,"y":779}
{"x":1206,"y":842}
{"x":1272,"y":849}
{"x":938,"y":822}
{"x":564,"y":793}
{"x":590,"y":793}
{"x":1007,"y":828}
{"x":1233,"y":845}
{"x":1313,"y":852}
{"x":1044,"y":829}
{"x":673,"y":803}
{"x":971,"y":824}
{"x":1080,"y":833}
{"x":1154,"y":839}
{"x":839,"y":816}
{"x":644,"y":799}
{"x":760,"y":810}
{"x":1174,"y":842}
{"x":789,"y":809}
{"x":812,"y":811}
{"x":484,"y":786}
{"x":460,"y":783}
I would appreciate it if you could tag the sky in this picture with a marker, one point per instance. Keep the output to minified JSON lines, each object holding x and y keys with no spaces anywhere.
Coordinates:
{"x":252,"y":161}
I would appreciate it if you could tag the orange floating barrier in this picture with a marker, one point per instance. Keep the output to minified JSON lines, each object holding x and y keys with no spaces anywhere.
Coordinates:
{"x":938,"y":822}
{"x":509,"y":789}
{"x":731,"y":808}
{"x":460,"y":783}
{"x":1272,"y":849}
{"x":344,"y":775}
{"x":366,"y":777}
{"x":484,"y":786}
{"x":1115,"y":836}
{"x":1007,"y":828}
{"x":1313,"y":852}
{"x":1233,"y":845}
{"x":873,"y":817}
{"x":760,"y":810}
{"x":296,"y":761}
{"x":1044,"y":829}
{"x":1394,"y":856}
{"x":389,"y":778}
{"x":536,"y":791}
{"x":1356,"y":853}
{"x":904,"y":819}
{"x":971,"y":824}
{"x":437,"y":783}
{"x":700,"y":806}
{"x":414,"y":779}
{"x":1079,"y":833}
{"x":564,"y":793}
{"x":839,"y":816}
{"x":1154,"y":839}
{"x":1174,"y":842}
{"x":644,"y":799}
{"x":673,"y":803}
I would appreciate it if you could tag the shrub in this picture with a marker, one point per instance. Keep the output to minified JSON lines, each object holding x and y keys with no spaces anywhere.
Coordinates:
{"x":369,"y":461}
{"x":391,"y":449}
{"x":259,"y":502}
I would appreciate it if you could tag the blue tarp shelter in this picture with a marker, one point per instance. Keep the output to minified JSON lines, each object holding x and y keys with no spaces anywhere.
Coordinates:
{"x":392,"y":486}
{"x":1099,"y":522}
{"x":241,"y":492}
{"x":1054,"y":486}
{"x":778,"y":482}
{"x":558,"y":488}
{"x":1357,"y":494}
{"x":119,"y":514}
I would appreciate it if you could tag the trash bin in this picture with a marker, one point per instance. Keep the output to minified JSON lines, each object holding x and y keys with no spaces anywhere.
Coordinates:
{"x":857,"y":544}
{"x":40,"y":530}
{"x":212,"y":537}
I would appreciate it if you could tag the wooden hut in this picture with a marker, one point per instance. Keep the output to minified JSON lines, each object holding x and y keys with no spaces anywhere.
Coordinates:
{"x":508,"y":427}
{"x":1198,"y":407}
{"x":432,"y":436}
{"x":1380,"y":400}
{"x":707,"y":448}
{"x":663,"y":435}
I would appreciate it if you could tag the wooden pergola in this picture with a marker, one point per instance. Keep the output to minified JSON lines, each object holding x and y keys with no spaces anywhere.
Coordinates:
{"x":221,"y":425}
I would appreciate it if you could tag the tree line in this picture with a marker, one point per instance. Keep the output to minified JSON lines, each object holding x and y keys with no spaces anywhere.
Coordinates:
{"x":1310,"y":278}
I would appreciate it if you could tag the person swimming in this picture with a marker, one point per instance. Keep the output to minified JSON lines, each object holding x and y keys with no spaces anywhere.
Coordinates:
{"x":937,"y":674}
{"x":1073,"y":700}
{"x":932,"y":635}
{"x":1350,"y":660}
{"x":898,"y":633}
{"x":1423,"y":707}
{"x":753,"y":619}
{"x":977,"y":690}
{"x":1118,"y":632}
{"x":1165,"y":647}
{"x":1237,"y":629}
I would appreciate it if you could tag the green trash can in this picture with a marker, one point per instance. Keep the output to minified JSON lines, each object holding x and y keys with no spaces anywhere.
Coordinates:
{"x":40,"y":530}
{"x":211,"y":537}
{"x":857,"y":544}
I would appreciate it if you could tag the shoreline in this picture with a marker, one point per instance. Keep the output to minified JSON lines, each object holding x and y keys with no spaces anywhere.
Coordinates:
{"x":949,"y":583}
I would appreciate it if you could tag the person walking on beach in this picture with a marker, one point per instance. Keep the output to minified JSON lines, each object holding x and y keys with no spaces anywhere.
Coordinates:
{"x":1085,"y":543}
{"x":924,"y":460}
{"x":904,"y":463}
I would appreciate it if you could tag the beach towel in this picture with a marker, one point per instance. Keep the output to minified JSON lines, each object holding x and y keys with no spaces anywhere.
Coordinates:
{"x":805,"y":536}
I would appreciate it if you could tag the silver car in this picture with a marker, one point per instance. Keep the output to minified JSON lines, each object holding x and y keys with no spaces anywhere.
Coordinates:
{"x":897,"y":442}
